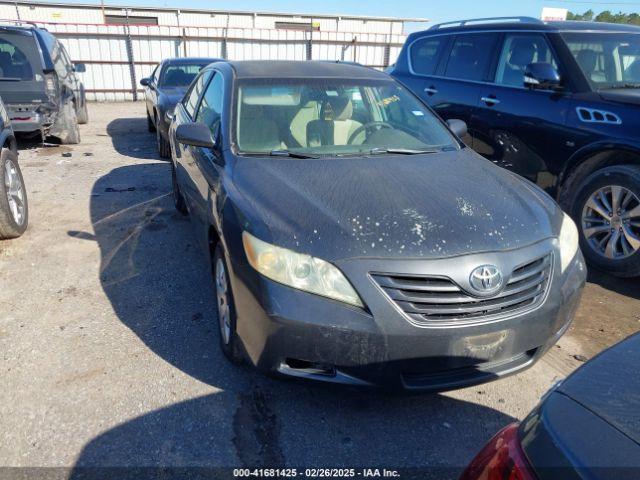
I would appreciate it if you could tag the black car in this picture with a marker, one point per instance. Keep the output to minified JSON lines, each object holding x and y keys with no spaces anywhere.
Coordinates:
{"x":39,"y":84}
{"x":354,"y":239}
{"x":556,"y":102}
{"x":587,"y":427}
{"x":164,"y":88}
{"x":14,"y":210}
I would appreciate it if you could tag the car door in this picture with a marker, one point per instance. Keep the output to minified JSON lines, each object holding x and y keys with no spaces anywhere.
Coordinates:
{"x":518,"y":128}
{"x":187,"y":155}
{"x":207,"y":165}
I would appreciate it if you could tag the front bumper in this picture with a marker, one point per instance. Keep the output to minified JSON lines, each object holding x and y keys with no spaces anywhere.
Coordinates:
{"x":291,"y":333}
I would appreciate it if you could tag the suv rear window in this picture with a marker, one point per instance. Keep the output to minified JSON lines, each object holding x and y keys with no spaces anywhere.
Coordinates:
{"x":425,"y":53}
{"x":470,"y":56}
{"x":18,"y":56}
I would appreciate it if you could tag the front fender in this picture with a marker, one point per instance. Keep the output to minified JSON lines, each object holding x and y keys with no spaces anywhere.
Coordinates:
{"x":596,"y":148}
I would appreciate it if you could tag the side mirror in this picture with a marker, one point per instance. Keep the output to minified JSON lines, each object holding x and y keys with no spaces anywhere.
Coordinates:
{"x":458,"y":127}
{"x":195,"y":134}
{"x":541,"y":76}
{"x":79,"y":67}
{"x":145,"y":82}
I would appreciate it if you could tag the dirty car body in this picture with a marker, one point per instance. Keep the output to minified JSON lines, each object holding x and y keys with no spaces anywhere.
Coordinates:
{"x":39,"y":84}
{"x":363,"y":243}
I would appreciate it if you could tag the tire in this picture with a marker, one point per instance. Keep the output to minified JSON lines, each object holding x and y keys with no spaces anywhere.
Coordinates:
{"x":72,"y":135}
{"x":229,"y":342}
{"x":610,"y":236}
{"x":164,"y":147}
{"x":83,"y":113}
{"x":150,"y":126}
{"x":178,"y":199}
{"x":14,"y":213}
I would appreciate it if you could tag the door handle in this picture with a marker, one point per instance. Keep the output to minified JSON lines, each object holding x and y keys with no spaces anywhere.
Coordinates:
{"x":430,"y":90}
{"x":490,"y":101}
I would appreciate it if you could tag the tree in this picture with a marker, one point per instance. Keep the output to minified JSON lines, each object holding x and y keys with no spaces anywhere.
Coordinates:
{"x":606,"y":16}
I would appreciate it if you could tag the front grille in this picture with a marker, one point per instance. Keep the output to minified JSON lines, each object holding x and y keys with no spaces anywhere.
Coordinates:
{"x":438,"y":300}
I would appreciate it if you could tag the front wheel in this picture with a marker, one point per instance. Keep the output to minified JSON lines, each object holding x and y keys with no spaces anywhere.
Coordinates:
{"x":226,"y":308}
{"x":14,"y":209}
{"x":607,"y":211}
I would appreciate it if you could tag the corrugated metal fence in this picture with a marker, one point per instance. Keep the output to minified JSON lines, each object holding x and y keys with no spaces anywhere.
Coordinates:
{"x":118,"y":56}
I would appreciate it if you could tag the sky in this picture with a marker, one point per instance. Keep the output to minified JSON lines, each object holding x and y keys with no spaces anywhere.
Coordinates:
{"x":434,"y":10}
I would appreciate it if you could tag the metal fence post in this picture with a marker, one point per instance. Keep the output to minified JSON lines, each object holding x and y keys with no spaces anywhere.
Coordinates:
{"x":132,"y":64}
{"x":310,"y":43}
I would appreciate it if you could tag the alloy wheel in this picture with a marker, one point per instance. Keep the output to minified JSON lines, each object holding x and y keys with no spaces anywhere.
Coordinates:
{"x":611,"y":222}
{"x":15,"y":192}
{"x":222,"y":294}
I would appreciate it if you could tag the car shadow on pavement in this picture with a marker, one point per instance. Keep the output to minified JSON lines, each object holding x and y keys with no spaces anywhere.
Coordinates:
{"x":159,"y":284}
{"x":131,"y":137}
{"x":629,"y":287}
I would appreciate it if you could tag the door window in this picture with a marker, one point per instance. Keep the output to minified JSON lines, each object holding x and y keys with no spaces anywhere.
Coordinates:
{"x":518,"y":51}
{"x":192,"y":97}
{"x":210,"y":110}
{"x":425,"y":54}
{"x":470,"y":56}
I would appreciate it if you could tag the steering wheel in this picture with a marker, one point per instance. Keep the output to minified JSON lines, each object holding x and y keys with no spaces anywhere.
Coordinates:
{"x":366,"y":128}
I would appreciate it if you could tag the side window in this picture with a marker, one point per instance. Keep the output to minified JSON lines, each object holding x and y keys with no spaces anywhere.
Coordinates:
{"x":470,"y":56}
{"x":425,"y":53}
{"x":57,"y":56}
{"x":210,"y":110}
{"x":518,"y":51}
{"x":191,"y":99}
{"x":155,"y":74}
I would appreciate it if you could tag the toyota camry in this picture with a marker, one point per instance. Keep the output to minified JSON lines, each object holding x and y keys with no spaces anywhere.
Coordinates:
{"x":355,"y":239}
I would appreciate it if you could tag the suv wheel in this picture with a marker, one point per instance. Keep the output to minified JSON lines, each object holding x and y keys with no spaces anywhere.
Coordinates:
{"x":226,"y":308}
{"x":607,"y":211}
{"x":70,"y":125}
{"x":14,"y":209}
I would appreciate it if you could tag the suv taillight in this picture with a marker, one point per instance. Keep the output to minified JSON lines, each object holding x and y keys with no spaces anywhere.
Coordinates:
{"x":51,"y":85}
{"x":500,"y":459}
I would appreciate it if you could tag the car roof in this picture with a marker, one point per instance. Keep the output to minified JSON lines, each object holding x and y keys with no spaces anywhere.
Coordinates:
{"x":525,"y":24}
{"x":608,"y":386}
{"x":189,"y":60}
{"x":302,"y":69}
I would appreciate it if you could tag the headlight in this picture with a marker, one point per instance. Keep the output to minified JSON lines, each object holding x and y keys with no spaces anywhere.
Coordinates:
{"x":299,"y":271}
{"x":568,"y":241}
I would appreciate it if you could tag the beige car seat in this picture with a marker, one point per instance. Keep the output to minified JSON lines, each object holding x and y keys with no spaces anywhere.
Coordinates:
{"x":335,"y":125}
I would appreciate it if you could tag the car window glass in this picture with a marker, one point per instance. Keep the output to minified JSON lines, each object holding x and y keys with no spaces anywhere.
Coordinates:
{"x":425,"y":53}
{"x":191,"y":100}
{"x":17,"y":52}
{"x":58,"y":61}
{"x":154,"y":74}
{"x":179,"y":75}
{"x":470,"y":56}
{"x":518,"y":51}
{"x":210,"y":109}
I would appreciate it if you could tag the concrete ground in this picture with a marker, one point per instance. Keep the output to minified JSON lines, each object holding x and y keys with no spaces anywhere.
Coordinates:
{"x":108,"y":341}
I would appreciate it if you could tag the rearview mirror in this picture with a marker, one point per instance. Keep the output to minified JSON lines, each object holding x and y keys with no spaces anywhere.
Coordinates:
{"x":195,"y":134}
{"x":79,"y":67}
{"x":145,"y":82}
{"x":458,"y":127}
{"x":541,"y":76}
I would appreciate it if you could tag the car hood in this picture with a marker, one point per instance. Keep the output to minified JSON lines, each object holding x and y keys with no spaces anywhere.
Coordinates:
{"x":432,"y":205}
{"x":609,"y":386}
{"x":626,"y":95}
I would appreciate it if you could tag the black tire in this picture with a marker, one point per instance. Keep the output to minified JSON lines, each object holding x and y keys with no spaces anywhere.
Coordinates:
{"x":628,"y":177}
{"x":164,"y":147}
{"x":150,"y":126}
{"x":230,"y":348}
{"x":83,"y":113}
{"x":9,"y":227}
{"x":178,"y":199}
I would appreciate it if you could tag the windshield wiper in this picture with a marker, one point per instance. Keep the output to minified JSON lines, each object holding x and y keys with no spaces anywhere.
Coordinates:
{"x":400,"y":151}
{"x":621,"y":85}
{"x":287,"y":153}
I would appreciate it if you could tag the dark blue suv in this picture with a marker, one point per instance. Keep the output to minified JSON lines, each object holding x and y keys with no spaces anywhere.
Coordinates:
{"x":556,"y":102}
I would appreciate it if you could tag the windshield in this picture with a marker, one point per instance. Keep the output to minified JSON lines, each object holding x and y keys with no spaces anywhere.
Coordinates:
{"x":608,"y":60}
{"x":179,"y":75}
{"x":328,"y":117}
